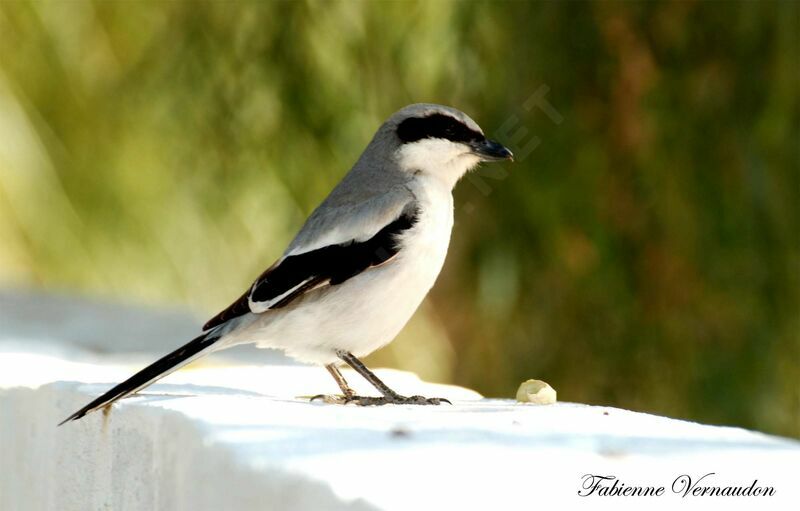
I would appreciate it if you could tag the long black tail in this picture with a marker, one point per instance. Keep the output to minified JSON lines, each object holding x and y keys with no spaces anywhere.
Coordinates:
{"x":150,"y":374}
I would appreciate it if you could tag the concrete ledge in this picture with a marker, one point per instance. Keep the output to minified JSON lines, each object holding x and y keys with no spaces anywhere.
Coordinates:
{"x":230,"y":433}
{"x":209,"y":446}
{"x":139,"y":458}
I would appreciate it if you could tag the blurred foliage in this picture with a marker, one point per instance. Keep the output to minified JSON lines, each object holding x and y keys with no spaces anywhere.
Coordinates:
{"x":644,"y":254}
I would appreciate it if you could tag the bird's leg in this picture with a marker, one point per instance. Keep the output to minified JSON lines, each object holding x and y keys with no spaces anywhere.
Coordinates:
{"x":346,"y":390}
{"x":368,"y":375}
{"x":389,"y":396}
{"x":348,"y":394}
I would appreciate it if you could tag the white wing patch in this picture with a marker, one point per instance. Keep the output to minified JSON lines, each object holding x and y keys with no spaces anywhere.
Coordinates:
{"x":266,"y":305}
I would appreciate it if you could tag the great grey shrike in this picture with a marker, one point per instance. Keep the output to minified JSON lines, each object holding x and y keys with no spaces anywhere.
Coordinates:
{"x":361,"y":264}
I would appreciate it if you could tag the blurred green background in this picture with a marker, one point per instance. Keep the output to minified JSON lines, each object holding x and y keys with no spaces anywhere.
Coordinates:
{"x":644,"y":252}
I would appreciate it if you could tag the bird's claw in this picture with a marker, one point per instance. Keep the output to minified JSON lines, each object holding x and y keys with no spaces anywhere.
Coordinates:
{"x":422,"y":400}
{"x":379,"y":401}
{"x":332,"y":399}
{"x":396,"y":400}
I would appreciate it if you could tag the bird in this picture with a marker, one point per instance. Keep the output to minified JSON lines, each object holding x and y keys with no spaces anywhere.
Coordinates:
{"x":360,"y":265}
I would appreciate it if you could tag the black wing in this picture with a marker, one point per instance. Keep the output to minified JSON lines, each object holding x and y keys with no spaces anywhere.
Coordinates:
{"x":332,"y":265}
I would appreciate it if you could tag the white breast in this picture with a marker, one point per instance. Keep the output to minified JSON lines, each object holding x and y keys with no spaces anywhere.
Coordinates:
{"x":425,"y":246}
{"x":366,"y":312}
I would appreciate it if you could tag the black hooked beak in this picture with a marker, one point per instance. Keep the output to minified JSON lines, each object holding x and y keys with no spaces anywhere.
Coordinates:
{"x":489,"y":150}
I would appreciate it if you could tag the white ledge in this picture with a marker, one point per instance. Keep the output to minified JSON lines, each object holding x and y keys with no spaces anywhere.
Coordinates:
{"x":242,"y":440}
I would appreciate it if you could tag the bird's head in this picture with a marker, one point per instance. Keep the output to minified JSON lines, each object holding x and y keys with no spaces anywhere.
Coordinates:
{"x":439,"y":141}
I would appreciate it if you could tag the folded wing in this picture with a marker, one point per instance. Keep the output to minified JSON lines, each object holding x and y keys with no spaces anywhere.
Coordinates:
{"x":298,"y":273}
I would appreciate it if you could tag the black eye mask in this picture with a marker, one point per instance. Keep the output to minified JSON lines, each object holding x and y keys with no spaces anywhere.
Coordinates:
{"x":436,"y":126}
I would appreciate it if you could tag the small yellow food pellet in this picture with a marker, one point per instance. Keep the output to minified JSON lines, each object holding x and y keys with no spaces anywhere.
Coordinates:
{"x":536,"y":391}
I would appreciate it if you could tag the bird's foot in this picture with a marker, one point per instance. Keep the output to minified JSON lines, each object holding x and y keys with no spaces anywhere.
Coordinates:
{"x":396,"y":400}
{"x":379,"y":401}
